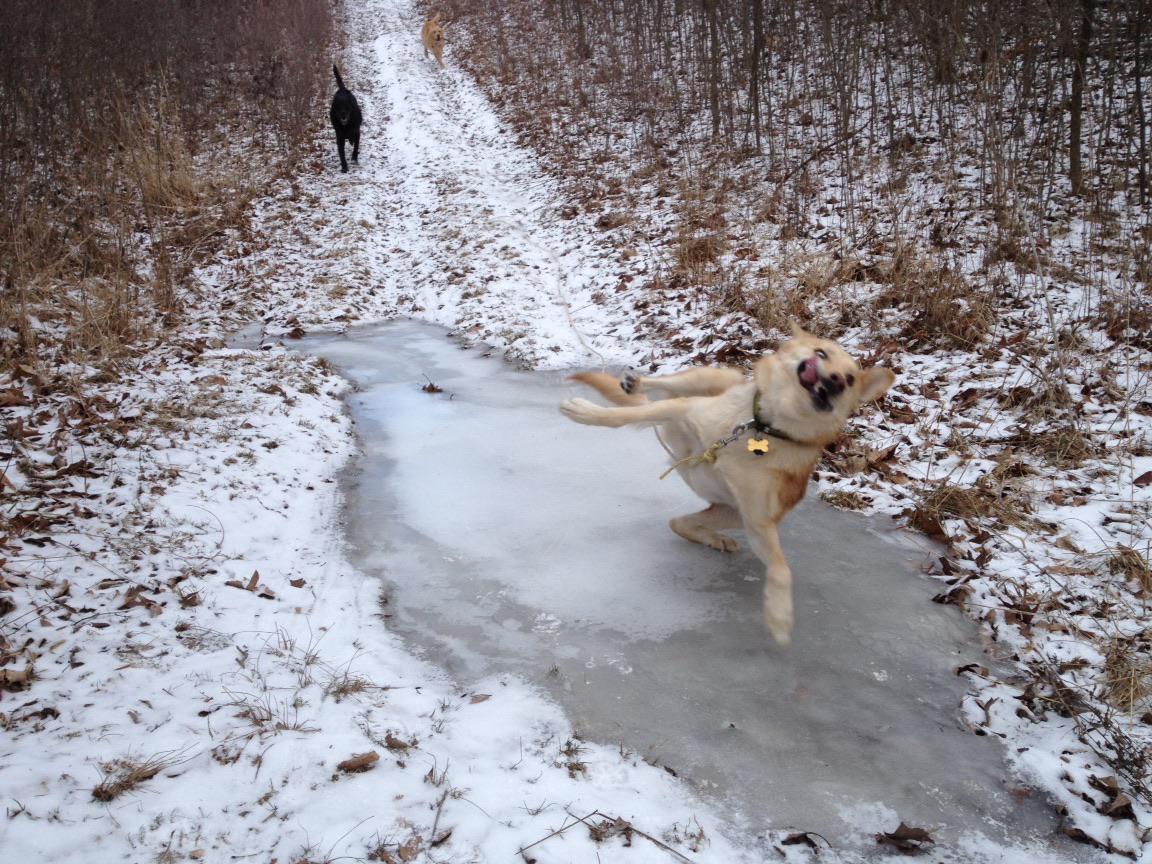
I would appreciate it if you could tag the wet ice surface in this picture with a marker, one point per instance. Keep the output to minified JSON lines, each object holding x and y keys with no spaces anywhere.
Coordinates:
{"x":512,"y":540}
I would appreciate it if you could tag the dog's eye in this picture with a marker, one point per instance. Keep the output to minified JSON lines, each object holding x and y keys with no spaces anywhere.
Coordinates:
{"x":851,"y":379}
{"x":821,"y":353}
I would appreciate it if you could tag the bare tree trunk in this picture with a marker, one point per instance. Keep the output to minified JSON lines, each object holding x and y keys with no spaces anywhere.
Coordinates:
{"x":713,"y":64}
{"x":754,"y":67}
{"x":1076,"y":116}
{"x":1141,"y":120}
{"x":583,"y":50}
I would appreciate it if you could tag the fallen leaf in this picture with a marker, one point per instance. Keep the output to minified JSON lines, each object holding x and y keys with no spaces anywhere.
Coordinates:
{"x":906,"y":839}
{"x":297,"y":583}
{"x":135,"y":598}
{"x":928,"y":523}
{"x":16,"y":679}
{"x":1120,"y":807}
{"x":396,"y":745}
{"x":359,"y":762}
{"x":1109,"y":784}
{"x":480,"y":697}
{"x":798,"y":838}
{"x":1144,"y":479}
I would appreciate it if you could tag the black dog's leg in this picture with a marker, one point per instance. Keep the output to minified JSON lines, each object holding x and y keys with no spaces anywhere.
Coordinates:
{"x":355,"y":146}
{"x":340,"y":147}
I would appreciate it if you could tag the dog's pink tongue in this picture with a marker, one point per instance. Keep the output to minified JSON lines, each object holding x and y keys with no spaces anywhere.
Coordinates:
{"x":809,"y":374}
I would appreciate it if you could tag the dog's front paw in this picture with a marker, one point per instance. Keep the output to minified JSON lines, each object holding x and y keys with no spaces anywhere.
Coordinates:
{"x":580,"y":410}
{"x":630,"y":382}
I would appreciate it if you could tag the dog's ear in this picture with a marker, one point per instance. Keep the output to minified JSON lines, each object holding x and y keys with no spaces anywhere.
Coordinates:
{"x":798,"y":332}
{"x":875,"y":382}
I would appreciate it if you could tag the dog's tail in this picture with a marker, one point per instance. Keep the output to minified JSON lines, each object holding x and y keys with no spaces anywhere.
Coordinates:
{"x":339,"y":82}
{"x":609,"y":388}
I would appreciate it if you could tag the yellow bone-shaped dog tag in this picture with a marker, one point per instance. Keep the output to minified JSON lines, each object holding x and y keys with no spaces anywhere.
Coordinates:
{"x":759,"y":446}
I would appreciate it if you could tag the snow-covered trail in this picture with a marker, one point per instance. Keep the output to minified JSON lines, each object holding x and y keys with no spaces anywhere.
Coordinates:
{"x":459,"y":224}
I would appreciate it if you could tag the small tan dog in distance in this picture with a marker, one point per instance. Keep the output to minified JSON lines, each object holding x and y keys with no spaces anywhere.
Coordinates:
{"x":432,"y":35}
{"x":746,"y":445}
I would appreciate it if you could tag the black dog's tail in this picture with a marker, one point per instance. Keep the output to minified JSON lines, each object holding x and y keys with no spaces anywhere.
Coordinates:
{"x":336,"y":72}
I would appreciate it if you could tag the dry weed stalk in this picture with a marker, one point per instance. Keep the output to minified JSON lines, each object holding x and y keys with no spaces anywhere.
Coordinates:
{"x":1127,"y":675}
{"x":1061,"y":446}
{"x":1100,"y":727}
{"x":947,"y":309}
{"x":1132,"y":566}
{"x":846,"y":499}
{"x":975,"y":503}
{"x":126,"y":774}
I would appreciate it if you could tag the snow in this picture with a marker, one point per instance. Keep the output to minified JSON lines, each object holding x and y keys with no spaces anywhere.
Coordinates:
{"x":251,"y":693}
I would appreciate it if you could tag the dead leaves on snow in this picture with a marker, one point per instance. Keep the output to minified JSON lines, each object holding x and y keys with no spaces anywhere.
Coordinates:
{"x":602,"y":828}
{"x":359,"y":763}
{"x":253,"y":586}
{"x":906,"y":839}
{"x":17,"y":679}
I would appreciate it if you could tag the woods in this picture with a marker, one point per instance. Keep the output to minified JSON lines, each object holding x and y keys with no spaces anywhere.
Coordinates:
{"x":131,"y":134}
{"x":1000,"y":82}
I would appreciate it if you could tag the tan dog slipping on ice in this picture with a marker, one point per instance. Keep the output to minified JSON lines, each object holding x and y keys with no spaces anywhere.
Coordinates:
{"x":745,"y":445}
{"x":432,"y":35}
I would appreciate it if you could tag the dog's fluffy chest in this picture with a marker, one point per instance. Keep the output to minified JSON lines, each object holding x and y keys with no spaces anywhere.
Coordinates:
{"x":711,"y":420}
{"x":714,"y":419}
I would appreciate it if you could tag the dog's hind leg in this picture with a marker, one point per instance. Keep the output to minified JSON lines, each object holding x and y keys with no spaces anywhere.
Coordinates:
{"x":703,"y":527}
{"x":356,"y":148}
{"x":340,"y":150}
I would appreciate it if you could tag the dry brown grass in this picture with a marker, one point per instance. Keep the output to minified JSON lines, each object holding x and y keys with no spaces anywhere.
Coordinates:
{"x":1127,"y":675}
{"x":130,"y":180}
{"x":813,"y":288}
{"x":1062,"y":447}
{"x":846,"y":499}
{"x":344,"y":684}
{"x":127,"y":774}
{"x":1131,"y":565}
{"x":990,"y":500}
{"x":694,"y":252}
{"x":945,"y":310}
{"x":1127,"y":317}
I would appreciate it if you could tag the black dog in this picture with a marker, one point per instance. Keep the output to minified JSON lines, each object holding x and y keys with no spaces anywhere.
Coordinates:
{"x":345,"y":116}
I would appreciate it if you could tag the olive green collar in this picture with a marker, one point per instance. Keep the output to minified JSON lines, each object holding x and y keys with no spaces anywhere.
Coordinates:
{"x":767,"y":428}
